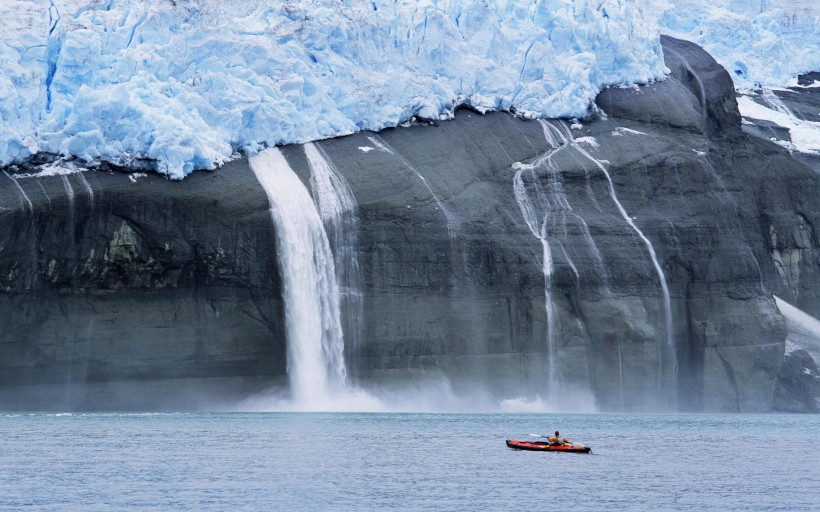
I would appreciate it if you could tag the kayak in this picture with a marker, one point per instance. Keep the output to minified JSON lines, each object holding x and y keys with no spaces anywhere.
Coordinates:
{"x":543,"y":446}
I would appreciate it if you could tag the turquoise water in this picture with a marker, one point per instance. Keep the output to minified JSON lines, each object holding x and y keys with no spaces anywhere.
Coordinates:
{"x":293,"y":461}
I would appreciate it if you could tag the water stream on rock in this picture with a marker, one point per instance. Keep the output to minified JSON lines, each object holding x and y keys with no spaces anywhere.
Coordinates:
{"x":384,"y":146}
{"x":539,"y":203}
{"x":88,"y":189}
{"x":315,"y":358}
{"x":69,"y":193}
{"x":22,"y":193}
{"x":560,"y":135}
{"x":695,"y":77}
{"x":537,"y":214}
{"x":668,"y":362}
{"x":337,"y":208}
{"x":543,"y":205}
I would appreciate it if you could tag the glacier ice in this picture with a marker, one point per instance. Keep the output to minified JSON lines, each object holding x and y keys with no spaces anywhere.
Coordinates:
{"x":178,"y":85}
{"x":185,"y":84}
{"x":760,"y":42}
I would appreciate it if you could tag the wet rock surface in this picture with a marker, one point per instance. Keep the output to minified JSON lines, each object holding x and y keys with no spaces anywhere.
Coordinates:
{"x":108,"y":277}
{"x":152,"y":280}
{"x":798,"y":384}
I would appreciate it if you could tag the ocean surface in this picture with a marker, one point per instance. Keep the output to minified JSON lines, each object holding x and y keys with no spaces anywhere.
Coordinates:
{"x":347,"y":461}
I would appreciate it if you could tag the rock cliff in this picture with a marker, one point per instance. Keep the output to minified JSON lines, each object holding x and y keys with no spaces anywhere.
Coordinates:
{"x":629,"y":260}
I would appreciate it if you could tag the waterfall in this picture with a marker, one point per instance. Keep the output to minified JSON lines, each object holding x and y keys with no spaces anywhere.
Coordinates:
{"x":538,"y":214}
{"x":45,"y":193}
{"x":776,"y":103}
{"x":560,"y":137}
{"x":384,"y":146}
{"x":545,"y":205}
{"x":22,"y":193}
{"x":337,"y":208}
{"x":69,"y":192}
{"x":538,"y":227}
{"x":32,"y":230}
{"x":88,"y":189}
{"x":804,"y":133}
{"x":668,"y":363}
{"x":71,"y":228}
{"x":312,"y":316}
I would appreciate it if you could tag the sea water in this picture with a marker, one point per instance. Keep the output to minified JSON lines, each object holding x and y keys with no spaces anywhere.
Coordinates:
{"x":348,"y":461}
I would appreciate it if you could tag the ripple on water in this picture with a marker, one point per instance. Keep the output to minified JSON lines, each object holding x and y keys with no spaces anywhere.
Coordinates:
{"x":346,"y":461}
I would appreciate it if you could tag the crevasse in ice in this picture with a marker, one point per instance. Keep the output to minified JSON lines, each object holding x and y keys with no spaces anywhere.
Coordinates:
{"x":182,"y":85}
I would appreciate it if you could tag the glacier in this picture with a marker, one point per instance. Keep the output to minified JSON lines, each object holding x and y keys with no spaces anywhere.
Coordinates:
{"x":760,"y":42}
{"x":180,"y":85}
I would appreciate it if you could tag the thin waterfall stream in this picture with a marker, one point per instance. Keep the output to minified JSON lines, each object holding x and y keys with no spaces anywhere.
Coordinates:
{"x":668,"y":363}
{"x":384,"y":146}
{"x":543,"y":205}
{"x":539,"y":203}
{"x":337,"y":207}
{"x":537,"y":214}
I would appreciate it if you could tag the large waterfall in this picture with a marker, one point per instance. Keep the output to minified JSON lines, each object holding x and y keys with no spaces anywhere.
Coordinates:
{"x":316,"y":364}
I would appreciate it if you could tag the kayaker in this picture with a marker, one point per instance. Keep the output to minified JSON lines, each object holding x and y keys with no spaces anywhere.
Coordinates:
{"x":557,"y":440}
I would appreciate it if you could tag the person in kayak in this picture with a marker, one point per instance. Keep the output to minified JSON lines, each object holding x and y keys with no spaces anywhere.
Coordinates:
{"x":557,"y":440}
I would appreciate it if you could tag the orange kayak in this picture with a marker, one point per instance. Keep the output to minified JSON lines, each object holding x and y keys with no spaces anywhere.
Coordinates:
{"x":543,"y":446}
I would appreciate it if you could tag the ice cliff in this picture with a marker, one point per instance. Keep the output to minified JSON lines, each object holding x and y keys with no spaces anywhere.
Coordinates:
{"x":760,"y":42}
{"x":182,"y":85}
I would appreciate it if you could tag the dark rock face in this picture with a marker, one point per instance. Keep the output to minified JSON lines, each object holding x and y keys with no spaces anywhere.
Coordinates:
{"x":698,"y":96}
{"x":798,"y":384}
{"x":792,"y":235}
{"x":108,"y":279}
{"x":155,"y":280}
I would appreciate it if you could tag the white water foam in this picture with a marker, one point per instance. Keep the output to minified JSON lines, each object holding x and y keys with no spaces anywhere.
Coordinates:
{"x":337,"y":207}
{"x":316,"y":365}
